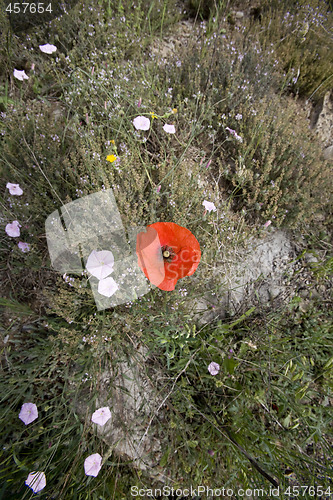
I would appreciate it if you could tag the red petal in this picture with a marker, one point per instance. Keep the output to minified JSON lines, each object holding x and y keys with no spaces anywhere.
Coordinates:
{"x":150,"y":260}
{"x":183,"y":243}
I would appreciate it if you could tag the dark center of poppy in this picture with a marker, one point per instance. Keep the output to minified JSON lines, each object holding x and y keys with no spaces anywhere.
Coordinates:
{"x":167,"y":253}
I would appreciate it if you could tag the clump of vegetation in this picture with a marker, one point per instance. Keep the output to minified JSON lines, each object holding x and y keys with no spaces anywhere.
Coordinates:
{"x":278,"y":170}
{"x":257,"y":148}
{"x":299,"y":34}
{"x":200,"y":9}
{"x":270,"y":394}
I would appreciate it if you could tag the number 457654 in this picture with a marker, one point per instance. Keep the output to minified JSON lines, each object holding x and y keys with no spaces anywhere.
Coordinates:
{"x":309,"y":491}
{"x":23,"y":7}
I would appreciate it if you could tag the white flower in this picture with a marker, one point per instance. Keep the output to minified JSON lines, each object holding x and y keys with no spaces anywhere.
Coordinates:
{"x":141,"y":123}
{"x":101,"y":416}
{"x":13,"y":229}
{"x":209,"y":206}
{"x":20,"y":75}
{"x":24,"y":247}
{"x":100,"y":264}
{"x":107,"y":287}
{"x":213,"y":368}
{"x":36,"y":481}
{"x":169,"y":129}
{"x":14,"y":189}
{"x":48,"y":48}
{"x":92,"y":465}
{"x":28,"y":413}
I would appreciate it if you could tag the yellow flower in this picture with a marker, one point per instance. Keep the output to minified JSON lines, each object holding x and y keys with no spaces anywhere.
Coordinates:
{"x":174,"y":111}
{"x":153,"y":115}
{"x":111,"y":158}
{"x":112,"y":141}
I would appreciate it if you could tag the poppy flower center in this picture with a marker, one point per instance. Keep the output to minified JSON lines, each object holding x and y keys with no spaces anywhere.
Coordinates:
{"x":167,"y":253}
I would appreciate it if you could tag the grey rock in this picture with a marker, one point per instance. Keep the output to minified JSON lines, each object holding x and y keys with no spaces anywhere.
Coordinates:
{"x":309,"y":258}
{"x":239,"y":15}
{"x":274,"y":292}
{"x":324,"y":125}
{"x":328,"y":153}
{"x":131,"y":433}
{"x":315,"y":295}
{"x":256,"y":272}
{"x":304,"y":293}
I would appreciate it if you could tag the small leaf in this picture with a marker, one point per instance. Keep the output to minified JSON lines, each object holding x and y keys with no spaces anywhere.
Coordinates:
{"x":328,"y":364}
{"x":243,"y":317}
{"x":287,"y":421}
{"x":230,"y":365}
{"x":165,"y":457}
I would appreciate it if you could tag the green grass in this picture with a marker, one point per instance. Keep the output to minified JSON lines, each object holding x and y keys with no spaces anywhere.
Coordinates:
{"x":266,"y":417}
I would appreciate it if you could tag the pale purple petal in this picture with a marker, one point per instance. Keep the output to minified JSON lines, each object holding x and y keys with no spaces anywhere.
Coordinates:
{"x":20,"y":75}
{"x":268,"y":223}
{"x":107,"y":287}
{"x":234,"y":134}
{"x":101,"y":416}
{"x":100,"y":264}
{"x":93,"y":464}
{"x":141,"y":123}
{"x":25,"y":247}
{"x":36,"y":481}
{"x":13,"y":229}
{"x":213,"y":368}
{"x":209,"y":206}
{"x":169,"y":129}
{"x":231,"y":130}
{"x":48,"y":48}
{"x":14,"y":189}
{"x":28,"y":413}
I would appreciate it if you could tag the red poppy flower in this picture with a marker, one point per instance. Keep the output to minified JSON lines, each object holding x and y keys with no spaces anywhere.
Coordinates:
{"x":166,"y":253}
